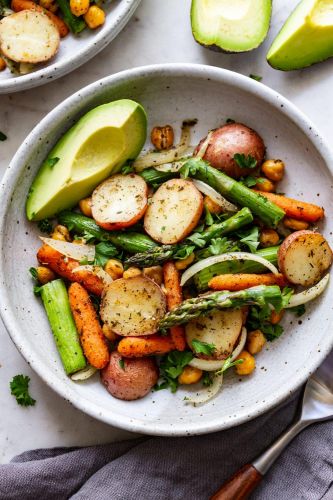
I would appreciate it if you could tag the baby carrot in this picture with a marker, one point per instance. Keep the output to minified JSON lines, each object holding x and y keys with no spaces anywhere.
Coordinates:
{"x":235,"y":282}
{"x":295,"y":208}
{"x":174,"y":296}
{"x":138,"y":347}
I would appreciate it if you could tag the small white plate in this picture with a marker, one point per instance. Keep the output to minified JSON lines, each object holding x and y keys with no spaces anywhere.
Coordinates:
{"x":74,"y":50}
{"x":171,"y":93}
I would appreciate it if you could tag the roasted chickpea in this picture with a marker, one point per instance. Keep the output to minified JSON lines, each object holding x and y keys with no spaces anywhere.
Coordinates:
{"x":44,"y":275}
{"x":183,"y":264}
{"x":248,"y":364}
{"x":79,"y":7}
{"x":265,"y":185}
{"x":131,"y":272}
{"x":276,"y":317}
{"x":49,"y":5}
{"x":61,"y":233}
{"x":212,"y":206}
{"x":269,"y":238}
{"x":162,"y":137}
{"x":85,"y":206}
{"x":255,"y":341}
{"x":190,"y":375}
{"x":108,"y":333}
{"x":114,"y":268}
{"x":273,"y":170}
{"x":294,"y":224}
{"x":155,"y":273}
{"x":3,"y":64}
{"x":95,"y":17}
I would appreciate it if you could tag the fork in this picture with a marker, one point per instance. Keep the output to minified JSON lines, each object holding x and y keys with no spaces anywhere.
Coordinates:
{"x":317,"y":406}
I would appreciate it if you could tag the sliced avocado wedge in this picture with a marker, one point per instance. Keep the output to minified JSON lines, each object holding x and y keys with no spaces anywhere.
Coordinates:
{"x":93,"y":149}
{"x":305,"y":38}
{"x":230,"y":25}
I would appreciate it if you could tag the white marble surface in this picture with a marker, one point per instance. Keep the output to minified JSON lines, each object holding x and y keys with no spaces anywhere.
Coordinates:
{"x":159,"y":32}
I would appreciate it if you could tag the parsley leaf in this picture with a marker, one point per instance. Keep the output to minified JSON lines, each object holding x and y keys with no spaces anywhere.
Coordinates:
{"x":122,"y":364}
{"x":127,"y":169}
{"x":19,"y":387}
{"x":203,"y":347}
{"x":3,"y":136}
{"x":298,"y":310}
{"x":228,"y":364}
{"x":245,"y":161}
{"x":249,"y":237}
{"x":184,"y":252}
{"x":217,"y":247}
{"x":207,"y":379}
{"x":50,"y":162}
{"x":45,"y":226}
{"x":171,"y":366}
{"x":250,"y":181}
{"x":103,"y":252}
{"x":33,"y":272}
{"x":258,"y":78}
{"x":259,"y":319}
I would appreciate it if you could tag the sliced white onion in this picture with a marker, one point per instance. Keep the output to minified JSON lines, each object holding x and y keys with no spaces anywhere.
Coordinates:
{"x":208,"y":393}
{"x":309,"y":294}
{"x":209,"y":365}
{"x":215,"y":196}
{"x":71,"y":250}
{"x":176,"y":165}
{"x":202,"y":264}
{"x":203,"y":148}
{"x":83,"y":374}
{"x":155,"y":158}
{"x":97,"y":270}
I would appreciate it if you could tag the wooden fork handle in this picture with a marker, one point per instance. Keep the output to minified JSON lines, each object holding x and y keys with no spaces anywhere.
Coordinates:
{"x":240,"y":485}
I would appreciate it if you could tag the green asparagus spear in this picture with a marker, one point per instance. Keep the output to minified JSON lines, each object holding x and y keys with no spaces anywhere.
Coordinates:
{"x":130,"y":242}
{"x":56,"y":303}
{"x":234,"y":191}
{"x":161,"y":254}
{"x":235,"y":266}
{"x":192,"y":308}
{"x":75,"y":24}
{"x":155,"y":177}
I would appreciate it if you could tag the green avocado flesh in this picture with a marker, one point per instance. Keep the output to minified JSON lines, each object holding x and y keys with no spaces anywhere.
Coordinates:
{"x":305,"y":38}
{"x":230,"y":25}
{"x":93,"y":149}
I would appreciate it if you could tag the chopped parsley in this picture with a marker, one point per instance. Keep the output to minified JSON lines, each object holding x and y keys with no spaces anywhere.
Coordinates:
{"x":3,"y":136}
{"x":34,"y":274}
{"x":45,"y":226}
{"x":127,"y":169}
{"x":249,"y":237}
{"x":228,"y":364}
{"x":19,"y":387}
{"x":245,"y":161}
{"x":103,"y":252}
{"x":203,"y":347}
{"x":184,"y":252}
{"x":122,"y":364}
{"x":207,"y":379}
{"x":171,"y":366}
{"x":259,"y":319}
{"x":250,"y":181}
{"x":258,"y":78}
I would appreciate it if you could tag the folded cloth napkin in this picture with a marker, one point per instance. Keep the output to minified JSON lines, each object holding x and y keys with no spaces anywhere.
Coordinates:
{"x":153,"y":468}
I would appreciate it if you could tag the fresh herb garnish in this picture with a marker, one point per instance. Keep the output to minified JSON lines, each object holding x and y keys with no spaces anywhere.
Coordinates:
{"x":45,"y":226}
{"x":50,"y":162}
{"x":245,"y":161}
{"x":103,"y":252}
{"x":258,"y":78}
{"x":207,"y":379}
{"x":19,"y":387}
{"x":34,"y":274}
{"x":259,"y":319}
{"x":298,"y":310}
{"x":249,"y":237}
{"x":184,"y":252}
{"x":171,"y":366}
{"x":228,"y":364}
{"x":3,"y":136}
{"x":209,"y":220}
{"x":203,"y":347}
{"x":127,"y":169}
{"x":217,"y":247}
{"x":250,"y":181}
{"x":122,"y":364}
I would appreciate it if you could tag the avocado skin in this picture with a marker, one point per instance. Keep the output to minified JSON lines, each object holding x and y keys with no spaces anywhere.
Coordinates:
{"x":97,"y":146}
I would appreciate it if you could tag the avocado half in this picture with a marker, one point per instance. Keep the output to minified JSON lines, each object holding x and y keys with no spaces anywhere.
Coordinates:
{"x":93,"y":149}
{"x":230,"y":25}
{"x":305,"y":38}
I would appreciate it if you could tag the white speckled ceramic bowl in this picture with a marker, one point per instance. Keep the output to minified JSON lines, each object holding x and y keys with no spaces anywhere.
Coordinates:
{"x":74,"y":50}
{"x":171,"y":93}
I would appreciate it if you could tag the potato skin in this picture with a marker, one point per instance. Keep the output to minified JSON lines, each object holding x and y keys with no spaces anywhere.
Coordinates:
{"x":131,"y":382}
{"x":228,"y":140}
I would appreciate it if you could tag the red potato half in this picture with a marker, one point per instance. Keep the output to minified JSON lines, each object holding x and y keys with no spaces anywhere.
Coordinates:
{"x":133,"y":306}
{"x":228,"y":140}
{"x":304,"y":257}
{"x":129,"y":379}
{"x":174,"y":211}
{"x":120,"y":201}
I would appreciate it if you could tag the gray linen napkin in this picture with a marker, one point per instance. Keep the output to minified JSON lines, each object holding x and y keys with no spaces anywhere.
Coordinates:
{"x":177,"y":468}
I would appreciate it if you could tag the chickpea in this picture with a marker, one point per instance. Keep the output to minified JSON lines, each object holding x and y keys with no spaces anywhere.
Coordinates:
{"x":190,"y":375}
{"x":276,"y":317}
{"x":255,"y":341}
{"x":248,"y":364}
{"x":79,"y":7}
{"x":273,"y":169}
{"x":183,"y":264}
{"x":131,"y":272}
{"x":265,"y":185}
{"x":108,"y":333}
{"x":95,"y":17}
{"x":49,"y":5}
{"x":162,"y":137}
{"x":212,"y":206}
{"x":3,"y":64}
{"x":155,"y":273}
{"x":294,"y":224}
{"x":61,"y":233}
{"x":269,"y":238}
{"x":114,"y":268}
{"x":44,"y":275}
{"x":85,"y":206}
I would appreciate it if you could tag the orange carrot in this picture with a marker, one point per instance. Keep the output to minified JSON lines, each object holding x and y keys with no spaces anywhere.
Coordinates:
{"x":64,"y":266}
{"x":138,"y":347}
{"x":235,"y":282}
{"x":295,"y":208}
{"x":174,"y":295}
{"x":18,"y":5}
{"x":90,"y":331}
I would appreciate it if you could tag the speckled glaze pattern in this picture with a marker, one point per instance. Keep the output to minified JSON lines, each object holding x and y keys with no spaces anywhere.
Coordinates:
{"x":74,"y":50}
{"x":171,"y":93}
